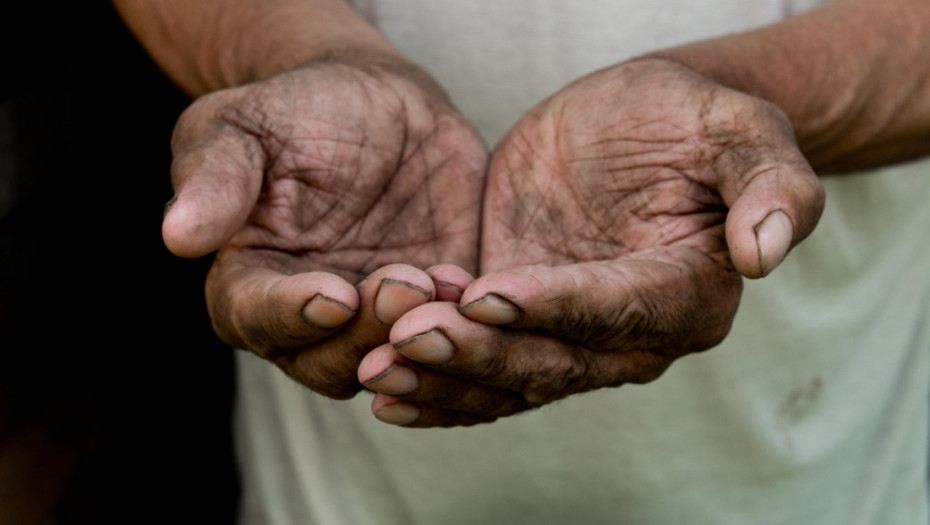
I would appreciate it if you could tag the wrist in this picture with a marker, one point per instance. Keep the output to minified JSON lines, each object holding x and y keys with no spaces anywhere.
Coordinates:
{"x":750,"y":65}
{"x":209,"y":45}
{"x":283,"y":38}
{"x":849,"y":75}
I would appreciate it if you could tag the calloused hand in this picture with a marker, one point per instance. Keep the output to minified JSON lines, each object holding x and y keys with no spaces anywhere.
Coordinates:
{"x":619,"y":216}
{"x":310,"y":181}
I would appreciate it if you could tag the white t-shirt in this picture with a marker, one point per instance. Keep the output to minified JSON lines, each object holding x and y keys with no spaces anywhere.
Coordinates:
{"x":814,"y":410}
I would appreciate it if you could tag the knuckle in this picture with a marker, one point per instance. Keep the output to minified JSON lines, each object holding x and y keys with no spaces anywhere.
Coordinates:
{"x":814,"y":199}
{"x":243,"y":329}
{"x":556,"y":376}
{"x":510,"y":407}
{"x":649,"y":368}
{"x":325,"y":374}
{"x":486,"y":404}
{"x":710,"y":326}
{"x":231,"y":328}
{"x":715,"y":334}
{"x":614,"y":328}
{"x":495,"y":370}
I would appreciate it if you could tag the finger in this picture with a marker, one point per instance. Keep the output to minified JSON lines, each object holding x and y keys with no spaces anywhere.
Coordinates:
{"x":667,"y":300}
{"x":775,"y":199}
{"x":396,"y":412}
{"x":331,"y":365}
{"x":538,"y":367}
{"x":400,"y":289}
{"x":313,"y":325}
{"x":217,"y":176}
{"x":450,"y":281}
{"x":386,"y":371}
{"x":271,"y":313}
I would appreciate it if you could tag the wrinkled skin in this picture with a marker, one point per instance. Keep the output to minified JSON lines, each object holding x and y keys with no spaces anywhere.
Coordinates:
{"x":618,"y":217}
{"x":310,"y":182}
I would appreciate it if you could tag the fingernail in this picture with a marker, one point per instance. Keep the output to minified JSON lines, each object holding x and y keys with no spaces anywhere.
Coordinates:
{"x":774,"y":235}
{"x":169,"y":204}
{"x":395,"y":298}
{"x":448,"y":292}
{"x":397,"y":380}
{"x":432,"y":348}
{"x":398,"y":413}
{"x":323,"y":312}
{"x":492,"y":309}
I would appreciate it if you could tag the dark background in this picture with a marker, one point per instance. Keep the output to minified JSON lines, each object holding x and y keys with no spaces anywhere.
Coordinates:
{"x":115,"y":395}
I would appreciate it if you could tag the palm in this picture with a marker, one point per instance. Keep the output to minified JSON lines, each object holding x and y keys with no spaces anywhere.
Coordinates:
{"x":612,"y":169}
{"x":359,"y":174}
{"x":310,"y":182}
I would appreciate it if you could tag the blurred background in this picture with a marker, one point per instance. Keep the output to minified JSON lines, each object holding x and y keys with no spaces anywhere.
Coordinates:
{"x":115,"y":395}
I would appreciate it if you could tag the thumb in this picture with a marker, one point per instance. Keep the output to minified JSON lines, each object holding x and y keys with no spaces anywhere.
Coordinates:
{"x":665,"y":300}
{"x":774,"y":200}
{"x":217,"y":176}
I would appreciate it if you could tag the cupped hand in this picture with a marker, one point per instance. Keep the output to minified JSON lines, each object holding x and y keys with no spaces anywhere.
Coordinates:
{"x":618,"y":218}
{"x":310,"y":181}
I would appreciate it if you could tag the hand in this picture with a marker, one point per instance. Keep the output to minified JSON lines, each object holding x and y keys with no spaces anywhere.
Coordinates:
{"x":618,"y":217}
{"x":306,"y":183}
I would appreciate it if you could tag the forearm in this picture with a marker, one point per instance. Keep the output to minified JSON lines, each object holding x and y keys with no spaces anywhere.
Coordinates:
{"x":205,"y":45}
{"x":853,"y":77}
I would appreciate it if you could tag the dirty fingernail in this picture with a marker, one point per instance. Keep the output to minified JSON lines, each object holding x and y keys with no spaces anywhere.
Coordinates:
{"x":398,"y":413}
{"x":448,"y":292}
{"x":492,"y":309}
{"x":432,"y":348}
{"x":169,"y":204}
{"x":323,"y":312}
{"x":774,"y":235}
{"x":397,"y":380}
{"x":395,"y":298}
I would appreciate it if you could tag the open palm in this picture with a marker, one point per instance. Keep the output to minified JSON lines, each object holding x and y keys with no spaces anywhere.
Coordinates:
{"x":618,"y":217}
{"x":309,"y":182}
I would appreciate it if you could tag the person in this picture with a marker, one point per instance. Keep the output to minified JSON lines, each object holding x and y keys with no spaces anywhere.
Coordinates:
{"x":658,"y":155}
